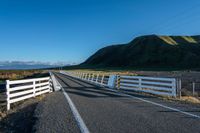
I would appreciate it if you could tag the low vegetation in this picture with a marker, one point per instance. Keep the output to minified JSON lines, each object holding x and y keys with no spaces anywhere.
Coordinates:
{"x":17,"y":74}
{"x":21,"y":117}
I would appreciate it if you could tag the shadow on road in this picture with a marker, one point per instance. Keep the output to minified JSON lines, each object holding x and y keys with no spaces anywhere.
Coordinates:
{"x":83,"y":88}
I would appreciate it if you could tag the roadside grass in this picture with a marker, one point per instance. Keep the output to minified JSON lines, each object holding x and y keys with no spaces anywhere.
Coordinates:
{"x":190,"y":99}
{"x":21,"y":116}
{"x":106,"y":72}
{"x":2,"y":81}
{"x":19,"y":74}
{"x":15,"y":106}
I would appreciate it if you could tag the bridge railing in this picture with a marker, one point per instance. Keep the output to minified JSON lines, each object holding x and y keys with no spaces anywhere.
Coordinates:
{"x":97,"y":78}
{"x":153,"y":85}
{"x":19,"y":90}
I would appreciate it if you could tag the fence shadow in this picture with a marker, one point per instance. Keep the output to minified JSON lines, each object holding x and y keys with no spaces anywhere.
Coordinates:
{"x":93,"y":91}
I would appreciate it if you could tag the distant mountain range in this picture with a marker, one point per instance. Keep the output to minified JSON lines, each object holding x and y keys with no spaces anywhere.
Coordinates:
{"x":10,"y":65}
{"x":150,"y":51}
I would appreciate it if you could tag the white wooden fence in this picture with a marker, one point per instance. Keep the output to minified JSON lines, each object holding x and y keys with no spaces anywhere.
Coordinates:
{"x":154,"y":85}
{"x":159,"y":86}
{"x":23,"y":89}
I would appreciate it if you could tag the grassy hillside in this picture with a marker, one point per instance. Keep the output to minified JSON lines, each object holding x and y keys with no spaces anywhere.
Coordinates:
{"x":172,"y":52}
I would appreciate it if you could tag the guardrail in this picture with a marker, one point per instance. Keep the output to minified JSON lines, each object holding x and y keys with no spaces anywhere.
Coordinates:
{"x":19,"y":90}
{"x":158,"y":86}
{"x":55,"y":84}
{"x":153,"y":85}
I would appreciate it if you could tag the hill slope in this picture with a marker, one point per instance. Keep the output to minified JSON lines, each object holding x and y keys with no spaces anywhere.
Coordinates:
{"x":150,"y":51}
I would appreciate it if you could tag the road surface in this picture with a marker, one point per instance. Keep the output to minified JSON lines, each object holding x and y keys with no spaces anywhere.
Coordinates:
{"x":105,"y":111}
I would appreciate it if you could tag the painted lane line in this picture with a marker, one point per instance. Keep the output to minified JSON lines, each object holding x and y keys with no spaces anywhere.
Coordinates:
{"x":167,"y":107}
{"x":154,"y":103}
{"x":157,"y":104}
{"x":75,"y":112}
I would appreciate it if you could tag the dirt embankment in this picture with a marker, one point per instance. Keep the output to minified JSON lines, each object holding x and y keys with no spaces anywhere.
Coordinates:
{"x":20,"y":119}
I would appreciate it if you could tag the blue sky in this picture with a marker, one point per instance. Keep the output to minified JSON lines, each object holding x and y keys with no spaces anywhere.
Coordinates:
{"x":72,"y":30}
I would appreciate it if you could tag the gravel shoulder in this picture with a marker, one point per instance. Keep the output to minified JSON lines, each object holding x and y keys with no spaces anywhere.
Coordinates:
{"x":53,"y":114}
{"x":46,"y":113}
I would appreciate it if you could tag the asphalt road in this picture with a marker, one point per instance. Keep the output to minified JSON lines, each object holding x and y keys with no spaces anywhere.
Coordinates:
{"x":53,"y":115}
{"x":105,"y":111}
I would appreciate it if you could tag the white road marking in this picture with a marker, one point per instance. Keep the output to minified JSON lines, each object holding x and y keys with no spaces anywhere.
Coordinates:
{"x":157,"y":104}
{"x":75,"y":112}
{"x":154,"y":103}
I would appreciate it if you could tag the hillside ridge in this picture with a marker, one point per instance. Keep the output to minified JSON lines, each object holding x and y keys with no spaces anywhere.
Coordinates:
{"x":150,"y":51}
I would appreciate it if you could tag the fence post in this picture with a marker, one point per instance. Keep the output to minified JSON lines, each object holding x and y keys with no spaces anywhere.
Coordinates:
{"x":174,"y":87}
{"x":102,"y":79}
{"x":111,"y":81}
{"x":193,"y":88}
{"x":8,"y":94}
{"x":82,"y":76}
{"x":118,"y":82}
{"x":140,"y":83}
{"x":88,"y":77}
{"x":85,"y":78}
{"x":79,"y":74}
{"x":92,"y":77}
{"x":50,"y":86}
{"x":33,"y":88}
{"x":97,"y":78}
{"x":180,"y":87}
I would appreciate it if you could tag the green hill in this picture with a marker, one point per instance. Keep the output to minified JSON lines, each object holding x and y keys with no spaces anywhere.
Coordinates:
{"x":150,"y":51}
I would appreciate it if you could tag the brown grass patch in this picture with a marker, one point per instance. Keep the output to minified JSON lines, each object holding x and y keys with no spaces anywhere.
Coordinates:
{"x":190,"y":99}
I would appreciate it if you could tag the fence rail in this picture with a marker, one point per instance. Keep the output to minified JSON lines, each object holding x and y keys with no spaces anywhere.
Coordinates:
{"x":158,"y":86}
{"x":18,"y":90}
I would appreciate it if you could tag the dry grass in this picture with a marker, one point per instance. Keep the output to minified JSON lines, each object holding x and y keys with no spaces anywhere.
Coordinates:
{"x":16,"y":74}
{"x":189,"y":39}
{"x":168,"y":40}
{"x":14,"y":106}
{"x":190,"y":99}
{"x":2,"y":112}
{"x":106,"y":72}
{"x":171,"y":41}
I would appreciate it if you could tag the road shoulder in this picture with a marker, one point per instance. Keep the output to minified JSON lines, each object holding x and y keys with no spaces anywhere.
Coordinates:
{"x":53,"y":114}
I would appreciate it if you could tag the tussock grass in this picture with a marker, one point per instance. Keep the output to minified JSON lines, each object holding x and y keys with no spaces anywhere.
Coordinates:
{"x":168,"y":40}
{"x":190,"y":99}
{"x":189,"y":39}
